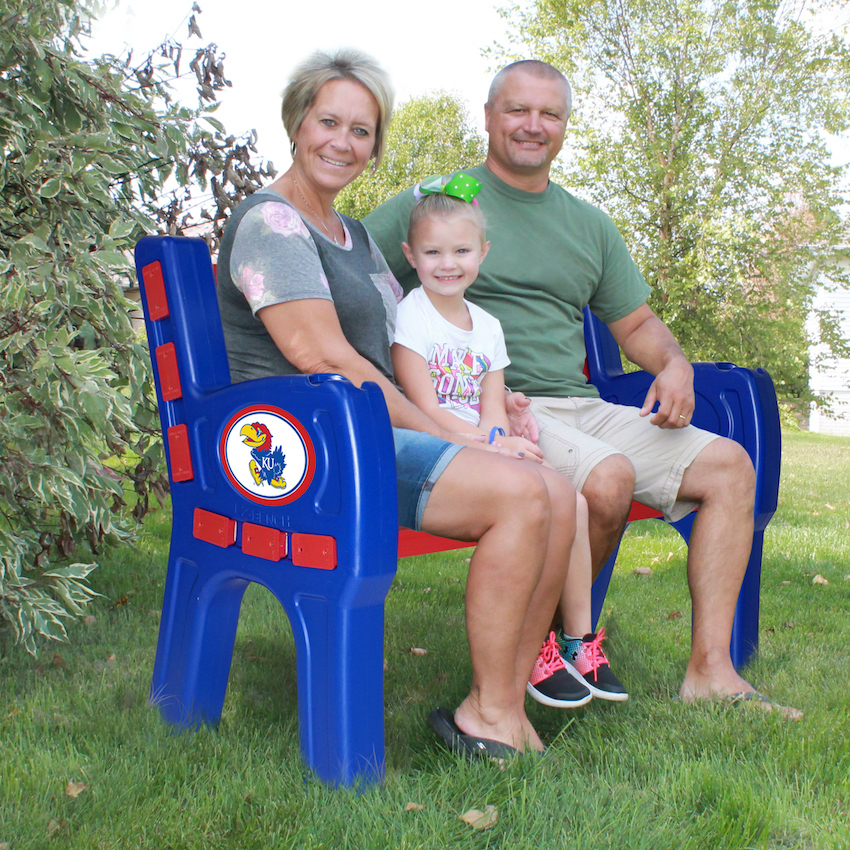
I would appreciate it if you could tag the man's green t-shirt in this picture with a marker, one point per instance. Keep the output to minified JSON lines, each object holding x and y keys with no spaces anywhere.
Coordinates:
{"x":551,"y":255}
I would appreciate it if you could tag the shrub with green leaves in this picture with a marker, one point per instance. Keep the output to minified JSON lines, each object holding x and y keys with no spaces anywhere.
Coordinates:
{"x":93,"y":154}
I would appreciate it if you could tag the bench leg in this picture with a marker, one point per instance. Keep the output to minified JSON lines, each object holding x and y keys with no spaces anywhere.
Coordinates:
{"x":195,"y":646}
{"x":745,"y":629}
{"x":340,"y":660}
{"x":600,"y":588}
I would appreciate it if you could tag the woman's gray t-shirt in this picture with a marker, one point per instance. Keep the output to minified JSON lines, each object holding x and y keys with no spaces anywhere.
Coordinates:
{"x":270,"y":255}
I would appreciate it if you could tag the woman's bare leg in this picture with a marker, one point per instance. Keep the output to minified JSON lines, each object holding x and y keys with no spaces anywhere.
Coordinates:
{"x":562,"y":499}
{"x":513,"y":585}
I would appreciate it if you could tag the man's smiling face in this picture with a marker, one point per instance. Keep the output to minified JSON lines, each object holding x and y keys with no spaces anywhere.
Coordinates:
{"x":526,"y":122}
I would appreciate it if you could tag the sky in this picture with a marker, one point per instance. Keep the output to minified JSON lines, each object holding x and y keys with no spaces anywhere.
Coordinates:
{"x":423,"y":51}
{"x":426,"y":47}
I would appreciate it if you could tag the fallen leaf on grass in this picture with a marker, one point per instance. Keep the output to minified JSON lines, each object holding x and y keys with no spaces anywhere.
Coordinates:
{"x":426,"y":590}
{"x":414,"y":807}
{"x":827,"y":505}
{"x":655,"y":560}
{"x":89,"y":620}
{"x":74,"y":789}
{"x":786,"y":582}
{"x":643,"y":571}
{"x":789,"y":625}
{"x":481,"y":820}
{"x":386,"y":665}
{"x":4,"y":845}
{"x":417,"y":650}
{"x":54,"y":826}
{"x":819,"y":579}
{"x":109,"y":664}
{"x":674,"y":614}
{"x":670,"y":555}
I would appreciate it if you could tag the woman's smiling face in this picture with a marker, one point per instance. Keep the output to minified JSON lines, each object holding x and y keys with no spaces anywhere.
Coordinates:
{"x":336,"y":139}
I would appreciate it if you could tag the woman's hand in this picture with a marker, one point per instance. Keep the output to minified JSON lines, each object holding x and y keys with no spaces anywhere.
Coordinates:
{"x":521,"y":447}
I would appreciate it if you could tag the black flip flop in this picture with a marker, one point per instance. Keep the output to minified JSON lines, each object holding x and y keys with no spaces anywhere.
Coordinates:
{"x":443,"y":722}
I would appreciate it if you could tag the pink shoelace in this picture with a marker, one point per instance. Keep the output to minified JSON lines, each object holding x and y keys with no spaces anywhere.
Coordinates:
{"x":548,"y":660}
{"x":594,"y":653}
{"x":550,"y":653}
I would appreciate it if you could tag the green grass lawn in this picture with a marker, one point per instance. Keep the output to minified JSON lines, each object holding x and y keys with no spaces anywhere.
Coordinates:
{"x":649,"y":773}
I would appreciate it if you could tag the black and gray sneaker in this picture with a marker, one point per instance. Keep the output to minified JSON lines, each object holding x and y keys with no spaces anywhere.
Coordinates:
{"x":551,"y":683}
{"x":585,"y":660}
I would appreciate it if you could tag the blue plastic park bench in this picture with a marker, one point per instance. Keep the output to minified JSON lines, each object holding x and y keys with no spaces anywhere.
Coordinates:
{"x":290,"y":482}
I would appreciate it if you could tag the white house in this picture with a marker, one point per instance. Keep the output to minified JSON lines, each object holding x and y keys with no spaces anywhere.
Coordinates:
{"x":831,"y":375}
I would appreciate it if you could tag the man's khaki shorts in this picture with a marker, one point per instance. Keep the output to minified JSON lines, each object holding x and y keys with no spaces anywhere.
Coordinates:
{"x":577,"y":433}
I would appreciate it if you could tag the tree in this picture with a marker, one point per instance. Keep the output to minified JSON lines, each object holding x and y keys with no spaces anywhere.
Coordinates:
{"x":699,"y":125}
{"x":94,"y":153}
{"x":428,"y":135}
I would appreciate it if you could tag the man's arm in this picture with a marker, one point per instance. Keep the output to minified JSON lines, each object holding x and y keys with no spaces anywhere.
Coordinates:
{"x":647,"y":342}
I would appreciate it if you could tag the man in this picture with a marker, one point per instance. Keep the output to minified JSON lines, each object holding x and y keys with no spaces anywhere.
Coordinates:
{"x":552,"y":254}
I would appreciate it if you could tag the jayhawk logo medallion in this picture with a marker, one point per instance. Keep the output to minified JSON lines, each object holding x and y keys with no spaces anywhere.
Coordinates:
{"x":267,"y":463}
{"x":267,"y":455}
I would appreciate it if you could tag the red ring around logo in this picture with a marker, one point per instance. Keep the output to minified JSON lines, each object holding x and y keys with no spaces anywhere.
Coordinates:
{"x":304,"y":441}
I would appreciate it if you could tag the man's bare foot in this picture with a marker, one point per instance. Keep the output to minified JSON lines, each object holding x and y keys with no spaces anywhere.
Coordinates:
{"x":749,"y":697}
{"x":712,"y":676}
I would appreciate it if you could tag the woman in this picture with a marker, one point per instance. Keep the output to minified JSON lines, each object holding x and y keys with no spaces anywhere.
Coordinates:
{"x":304,"y":289}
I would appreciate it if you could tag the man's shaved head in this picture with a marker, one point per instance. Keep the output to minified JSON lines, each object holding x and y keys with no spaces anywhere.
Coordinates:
{"x":535,"y":68}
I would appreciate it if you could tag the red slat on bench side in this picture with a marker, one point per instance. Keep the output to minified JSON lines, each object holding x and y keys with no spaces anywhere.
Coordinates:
{"x":412,"y":542}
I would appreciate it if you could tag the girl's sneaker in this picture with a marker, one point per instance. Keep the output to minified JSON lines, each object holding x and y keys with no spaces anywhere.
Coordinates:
{"x":551,"y":683}
{"x":585,"y":659}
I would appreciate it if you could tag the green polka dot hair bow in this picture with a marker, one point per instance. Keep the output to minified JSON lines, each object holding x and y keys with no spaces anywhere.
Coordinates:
{"x":459,"y":185}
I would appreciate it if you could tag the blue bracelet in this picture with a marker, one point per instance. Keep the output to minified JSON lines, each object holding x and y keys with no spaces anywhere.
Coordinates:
{"x":496,"y":431}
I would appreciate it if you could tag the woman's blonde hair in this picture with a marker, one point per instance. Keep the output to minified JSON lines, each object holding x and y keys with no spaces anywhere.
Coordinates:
{"x":345,"y":64}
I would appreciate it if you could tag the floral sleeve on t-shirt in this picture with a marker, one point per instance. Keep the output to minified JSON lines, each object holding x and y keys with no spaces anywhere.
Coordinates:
{"x":274,"y":259}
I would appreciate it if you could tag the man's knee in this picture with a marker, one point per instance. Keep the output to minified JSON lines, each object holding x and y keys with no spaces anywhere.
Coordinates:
{"x":609,"y":490}
{"x":723,"y":469}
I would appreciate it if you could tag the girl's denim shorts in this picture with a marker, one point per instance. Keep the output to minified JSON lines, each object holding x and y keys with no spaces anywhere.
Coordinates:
{"x":420,"y":459}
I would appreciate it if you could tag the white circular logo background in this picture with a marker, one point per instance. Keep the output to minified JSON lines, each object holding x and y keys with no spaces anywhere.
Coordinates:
{"x":267,"y":455}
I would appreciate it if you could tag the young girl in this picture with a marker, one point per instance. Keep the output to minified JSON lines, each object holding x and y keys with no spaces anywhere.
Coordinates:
{"x":449,"y":358}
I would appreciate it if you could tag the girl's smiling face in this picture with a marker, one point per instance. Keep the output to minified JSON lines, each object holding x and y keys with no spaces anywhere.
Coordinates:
{"x":446,"y":253}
